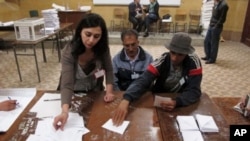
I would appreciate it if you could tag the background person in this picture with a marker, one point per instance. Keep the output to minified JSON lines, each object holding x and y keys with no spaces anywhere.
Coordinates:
{"x":135,"y":15}
{"x":212,"y":39}
{"x":177,"y":71}
{"x":152,"y":15}
{"x":130,"y":62}
{"x":85,"y":61}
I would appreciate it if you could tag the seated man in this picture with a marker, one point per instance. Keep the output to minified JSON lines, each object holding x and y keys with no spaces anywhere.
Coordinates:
{"x":130,"y":62}
{"x":135,"y":15}
{"x":177,"y":71}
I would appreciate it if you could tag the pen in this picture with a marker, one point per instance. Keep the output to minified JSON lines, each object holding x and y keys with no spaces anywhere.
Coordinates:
{"x":56,"y":99}
{"x":17,"y":104}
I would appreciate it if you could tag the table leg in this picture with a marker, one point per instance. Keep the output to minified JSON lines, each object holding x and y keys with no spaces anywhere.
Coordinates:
{"x":17,"y":64}
{"x":58,"y":46}
{"x":44,"y":55}
{"x":37,"y":69}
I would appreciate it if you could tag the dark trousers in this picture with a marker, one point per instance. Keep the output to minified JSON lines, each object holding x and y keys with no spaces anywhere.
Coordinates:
{"x":148,"y":20}
{"x":137,"y":23}
{"x":211,"y":43}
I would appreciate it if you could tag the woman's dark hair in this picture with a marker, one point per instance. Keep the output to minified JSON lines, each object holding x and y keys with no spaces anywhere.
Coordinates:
{"x":88,"y":21}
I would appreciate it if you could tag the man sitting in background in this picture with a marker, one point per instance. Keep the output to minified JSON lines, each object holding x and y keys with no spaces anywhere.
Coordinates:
{"x":130,"y":62}
{"x":135,"y":15}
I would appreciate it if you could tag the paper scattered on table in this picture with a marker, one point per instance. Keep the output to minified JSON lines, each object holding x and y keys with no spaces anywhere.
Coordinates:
{"x":118,"y":129}
{"x":159,"y":99}
{"x":192,"y":136}
{"x":23,"y":97}
{"x":49,"y":108}
{"x":73,"y":130}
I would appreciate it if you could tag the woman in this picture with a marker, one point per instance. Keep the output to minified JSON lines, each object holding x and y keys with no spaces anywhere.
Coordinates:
{"x":152,"y":15}
{"x":85,"y":61}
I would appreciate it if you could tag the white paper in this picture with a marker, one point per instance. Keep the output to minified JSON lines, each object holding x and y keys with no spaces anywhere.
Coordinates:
{"x":47,"y":108}
{"x":237,"y":108}
{"x":159,"y":99}
{"x":73,"y":130}
{"x":118,"y":129}
{"x":187,"y":123}
{"x":85,"y":8}
{"x":8,"y":23}
{"x":192,"y":136}
{"x":206,"y":123}
{"x":58,"y":7}
{"x":23,"y":97}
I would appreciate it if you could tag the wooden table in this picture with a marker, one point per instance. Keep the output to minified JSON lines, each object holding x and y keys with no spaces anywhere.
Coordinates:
{"x":169,"y":126}
{"x":14,"y":128}
{"x":142,"y":116}
{"x":143,"y":125}
{"x":225,"y":105}
{"x":147,"y":123}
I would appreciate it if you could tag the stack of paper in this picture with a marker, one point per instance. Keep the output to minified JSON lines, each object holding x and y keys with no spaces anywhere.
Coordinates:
{"x":51,"y":19}
{"x":189,"y":128}
{"x":192,"y":136}
{"x":187,"y":123}
{"x":206,"y":123}
{"x":206,"y":13}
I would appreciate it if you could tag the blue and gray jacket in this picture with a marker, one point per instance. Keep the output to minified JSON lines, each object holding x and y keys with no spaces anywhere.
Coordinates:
{"x":124,"y":72}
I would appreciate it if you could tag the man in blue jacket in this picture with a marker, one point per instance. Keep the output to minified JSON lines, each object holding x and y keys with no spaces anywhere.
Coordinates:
{"x":130,"y":62}
{"x":176,"y":71}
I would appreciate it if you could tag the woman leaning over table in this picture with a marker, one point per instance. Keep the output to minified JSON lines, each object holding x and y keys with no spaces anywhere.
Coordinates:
{"x":85,"y":61}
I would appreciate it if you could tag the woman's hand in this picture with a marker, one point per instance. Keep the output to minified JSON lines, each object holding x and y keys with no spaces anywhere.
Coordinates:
{"x":109,"y":97}
{"x":60,"y":120}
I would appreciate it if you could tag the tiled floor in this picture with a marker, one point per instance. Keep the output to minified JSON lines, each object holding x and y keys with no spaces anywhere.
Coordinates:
{"x":230,"y":76}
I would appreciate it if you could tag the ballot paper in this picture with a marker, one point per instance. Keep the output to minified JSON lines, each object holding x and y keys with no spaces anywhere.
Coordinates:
{"x":159,"y":99}
{"x":23,"y":97}
{"x":118,"y":129}
{"x":48,"y":105}
{"x":192,"y":136}
{"x":187,"y":123}
{"x":206,"y":123}
{"x":73,"y":130}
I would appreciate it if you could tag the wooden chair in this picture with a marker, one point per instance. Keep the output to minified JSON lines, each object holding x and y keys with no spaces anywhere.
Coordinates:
{"x":118,"y":21}
{"x":194,"y":21}
{"x":180,"y":20}
{"x":33,"y":13}
{"x":166,"y":25}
